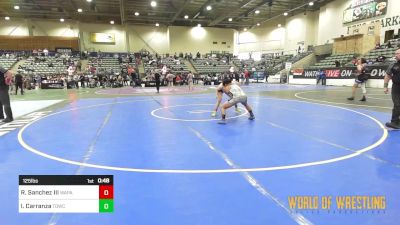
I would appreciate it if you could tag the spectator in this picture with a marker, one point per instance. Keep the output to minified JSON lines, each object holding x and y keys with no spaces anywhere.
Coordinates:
{"x":178,"y":80}
{"x":170,"y":78}
{"x":5,"y":80}
{"x":246,"y":76}
{"x":381,"y":58}
{"x":321,"y":76}
{"x":19,"y":80}
{"x":190,"y":81}
{"x":389,"y":45}
{"x":45,"y":52}
{"x":158,"y":81}
{"x":354,"y":61}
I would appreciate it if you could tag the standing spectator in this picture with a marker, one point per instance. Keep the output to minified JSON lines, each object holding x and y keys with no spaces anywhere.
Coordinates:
{"x":19,"y":80}
{"x":39,"y":81}
{"x":393,"y":73}
{"x":190,"y":81}
{"x":11,"y":86}
{"x":82,"y":80}
{"x":236,"y":75}
{"x":164,"y":70}
{"x":79,"y":65}
{"x":45,"y":52}
{"x":170,"y":78}
{"x":246,"y":76}
{"x":132,"y":74}
{"x":158,"y":81}
{"x":321,"y":76}
{"x":5,"y":80}
{"x":178,"y":80}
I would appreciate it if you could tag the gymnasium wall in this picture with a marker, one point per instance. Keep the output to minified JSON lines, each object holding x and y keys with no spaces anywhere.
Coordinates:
{"x":266,"y":38}
{"x":331,"y":21}
{"x":200,"y":39}
{"x":57,"y":29}
{"x":301,"y":30}
{"x":148,"y":37}
{"x":393,"y":13}
{"x":14,"y":28}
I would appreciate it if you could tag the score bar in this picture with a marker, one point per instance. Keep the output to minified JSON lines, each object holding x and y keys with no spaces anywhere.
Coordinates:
{"x":66,"y":193}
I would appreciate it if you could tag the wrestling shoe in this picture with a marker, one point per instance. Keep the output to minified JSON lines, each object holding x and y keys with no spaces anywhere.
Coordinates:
{"x":393,"y":125}
{"x":222,"y":121}
{"x":7,"y":120}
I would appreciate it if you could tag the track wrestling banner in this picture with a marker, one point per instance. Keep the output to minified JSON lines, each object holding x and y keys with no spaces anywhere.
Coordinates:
{"x":376,"y":72}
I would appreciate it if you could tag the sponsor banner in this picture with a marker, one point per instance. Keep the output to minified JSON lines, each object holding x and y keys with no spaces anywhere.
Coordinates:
{"x":102,"y":38}
{"x":297,"y":72}
{"x":376,"y":72}
{"x":364,"y":9}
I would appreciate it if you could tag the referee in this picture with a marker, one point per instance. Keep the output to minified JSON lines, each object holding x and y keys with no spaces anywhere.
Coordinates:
{"x":5,"y":80}
{"x":393,"y":73}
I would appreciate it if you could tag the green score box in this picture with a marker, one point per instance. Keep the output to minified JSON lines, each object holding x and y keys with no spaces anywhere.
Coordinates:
{"x":106,"y":205}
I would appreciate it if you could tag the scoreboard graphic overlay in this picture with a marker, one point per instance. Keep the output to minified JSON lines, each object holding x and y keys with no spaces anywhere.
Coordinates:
{"x":66,"y":193}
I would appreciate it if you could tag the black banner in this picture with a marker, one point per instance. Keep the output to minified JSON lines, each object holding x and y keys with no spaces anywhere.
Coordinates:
{"x":52,"y":85}
{"x":375,"y":72}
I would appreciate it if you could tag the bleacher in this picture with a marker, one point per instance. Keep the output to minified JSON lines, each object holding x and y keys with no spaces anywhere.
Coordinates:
{"x":385,"y":51}
{"x":269,"y":64}
{"x":393,"y":42}
{"x":329,"y":62}
{"x":209,"y":66}
{"x":105,"y":64}
{"x":176,"y":66}
{"x":300,"y":56}
{"x":372,"y":55}
{"x":42,"y":65}
{"x":7,"y":63}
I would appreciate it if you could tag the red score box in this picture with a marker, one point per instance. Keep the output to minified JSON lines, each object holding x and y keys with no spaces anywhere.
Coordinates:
{"x":106,"y":192}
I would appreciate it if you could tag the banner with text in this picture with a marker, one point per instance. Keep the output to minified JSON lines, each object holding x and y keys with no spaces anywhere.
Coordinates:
{"x":376,"y":72}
